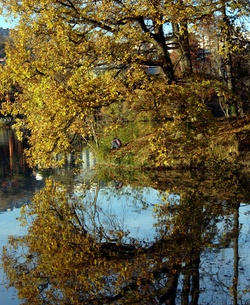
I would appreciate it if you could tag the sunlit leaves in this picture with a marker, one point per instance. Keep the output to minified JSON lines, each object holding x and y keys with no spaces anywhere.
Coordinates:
{"x":189,"y":131}
{"x":77,"y":60}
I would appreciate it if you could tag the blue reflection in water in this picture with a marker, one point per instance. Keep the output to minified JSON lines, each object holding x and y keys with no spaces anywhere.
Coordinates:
{"x":128,"y":209}
{"x":9,"y":225}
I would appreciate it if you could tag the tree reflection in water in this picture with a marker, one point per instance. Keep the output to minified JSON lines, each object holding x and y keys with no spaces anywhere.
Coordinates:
{"x":77,"y":253}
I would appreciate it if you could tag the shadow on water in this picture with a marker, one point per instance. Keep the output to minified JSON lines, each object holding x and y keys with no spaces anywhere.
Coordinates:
{"x":111,"y":236}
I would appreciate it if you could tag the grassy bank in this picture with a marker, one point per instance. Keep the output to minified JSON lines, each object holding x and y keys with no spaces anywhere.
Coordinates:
{"x":229,"y":142}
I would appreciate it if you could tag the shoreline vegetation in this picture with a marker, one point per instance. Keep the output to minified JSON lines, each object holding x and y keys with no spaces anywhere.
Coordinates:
{"x":230,"y":145}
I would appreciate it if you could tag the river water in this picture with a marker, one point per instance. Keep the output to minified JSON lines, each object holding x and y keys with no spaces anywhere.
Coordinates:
{"x":129,"y":203}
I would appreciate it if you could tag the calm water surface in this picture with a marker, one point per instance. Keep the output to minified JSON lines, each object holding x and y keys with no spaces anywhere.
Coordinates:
{"x":132,"y":208}
{"x":9,"y":225}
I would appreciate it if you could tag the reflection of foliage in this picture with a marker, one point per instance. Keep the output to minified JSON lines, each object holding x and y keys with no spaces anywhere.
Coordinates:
{"x":67,"y":264}
{"x":67,"y":259}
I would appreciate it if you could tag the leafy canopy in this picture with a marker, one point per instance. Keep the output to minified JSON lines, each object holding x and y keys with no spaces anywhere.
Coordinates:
{"x":67,"y":60}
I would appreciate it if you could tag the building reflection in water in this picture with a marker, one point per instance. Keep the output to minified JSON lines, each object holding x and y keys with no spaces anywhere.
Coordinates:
{"x":12,"y":160}
{"x":17,"y":184}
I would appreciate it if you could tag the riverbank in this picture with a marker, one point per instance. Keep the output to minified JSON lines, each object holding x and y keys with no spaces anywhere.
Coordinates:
{"x":228,"y":143}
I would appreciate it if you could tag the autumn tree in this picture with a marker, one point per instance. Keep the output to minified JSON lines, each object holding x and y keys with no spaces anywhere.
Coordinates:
{"x":71,"y":59}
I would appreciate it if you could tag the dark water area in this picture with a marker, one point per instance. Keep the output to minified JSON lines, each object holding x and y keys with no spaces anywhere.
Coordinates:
{"x":17,"y":182}
{"x":106,"y":235}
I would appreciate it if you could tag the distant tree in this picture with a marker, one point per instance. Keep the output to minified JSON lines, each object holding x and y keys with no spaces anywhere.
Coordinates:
{"x":3,"y":40}
{"x":4,"y":32}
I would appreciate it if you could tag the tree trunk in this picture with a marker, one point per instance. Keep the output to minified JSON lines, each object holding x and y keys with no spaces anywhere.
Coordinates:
{"x":181,"y":37}
{"x":226,"y":58}
{"x":167,"y":65}
{"x":227,"y":71}
{"x":158,"y":39}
